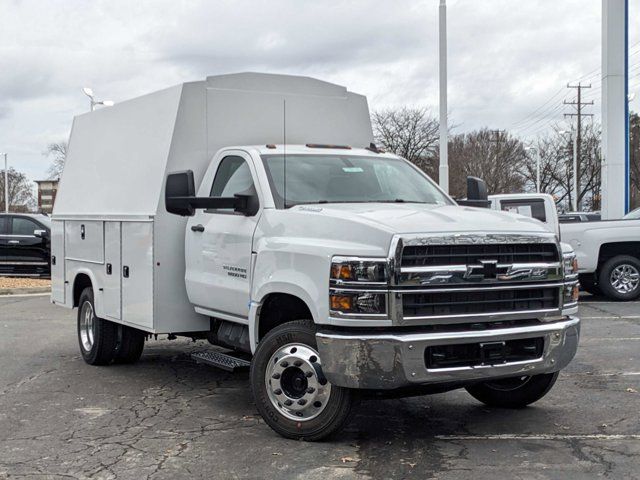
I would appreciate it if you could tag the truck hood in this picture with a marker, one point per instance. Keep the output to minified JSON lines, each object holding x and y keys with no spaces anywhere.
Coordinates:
{"x":422,"y":218}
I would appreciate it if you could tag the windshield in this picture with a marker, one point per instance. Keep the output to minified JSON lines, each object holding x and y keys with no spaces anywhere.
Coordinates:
{"x":348,"y":179}
{"x":633,"y":215}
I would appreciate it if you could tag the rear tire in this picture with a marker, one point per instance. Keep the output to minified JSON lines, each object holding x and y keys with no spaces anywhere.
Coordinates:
{"x":588,"y":284}
{"x":289,"y":388}
{"x":517,"y":392}
{"x":131,"y":345}
{"x":97,"y":337}
{"x":619,"y":278}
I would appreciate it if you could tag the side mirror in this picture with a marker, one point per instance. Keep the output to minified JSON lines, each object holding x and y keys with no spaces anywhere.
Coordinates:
{"x":41,"y":234}
{"x":476,"y":194}
{"x":180,"y":197}
{"x":179,"y":189}
{"x":476,"y":189}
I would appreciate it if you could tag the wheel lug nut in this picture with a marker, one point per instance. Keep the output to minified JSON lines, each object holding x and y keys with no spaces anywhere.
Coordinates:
{"x":297,"y":363}
{"x":311,"y":390}
{"x":309,"y":374}
{"x":288,"y":402}
{"x":277,"y":391}
{"x":302,"y":401}
{"x":275,"y":376}
{"x":284,"y":364}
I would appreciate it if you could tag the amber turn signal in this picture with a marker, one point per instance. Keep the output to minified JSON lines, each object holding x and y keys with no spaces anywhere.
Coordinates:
{"x":342,"y":303}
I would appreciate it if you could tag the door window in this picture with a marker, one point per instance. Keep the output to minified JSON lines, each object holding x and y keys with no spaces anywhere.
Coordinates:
{"x":233,"y":176}
{"x":24,"y":226}
{"x":4,"y":225}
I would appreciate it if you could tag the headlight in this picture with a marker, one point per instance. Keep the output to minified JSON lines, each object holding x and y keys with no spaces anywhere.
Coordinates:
{"x":571,"y":293}
{"x":349,"y":270}
{"x":570,"y":264}
{"x":358,"y":302}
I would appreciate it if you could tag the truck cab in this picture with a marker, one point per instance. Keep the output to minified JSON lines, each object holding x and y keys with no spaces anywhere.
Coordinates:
{"x":328,"y":267}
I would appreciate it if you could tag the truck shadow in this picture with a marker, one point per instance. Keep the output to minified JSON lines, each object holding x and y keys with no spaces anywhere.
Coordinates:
{"x":374,"y":422}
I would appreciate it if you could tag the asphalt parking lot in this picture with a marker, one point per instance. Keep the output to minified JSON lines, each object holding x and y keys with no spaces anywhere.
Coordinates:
{"x":167,"y":417}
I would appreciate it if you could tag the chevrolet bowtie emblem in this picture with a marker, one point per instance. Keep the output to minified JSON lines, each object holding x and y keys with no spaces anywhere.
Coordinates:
{"x":488,"y":269}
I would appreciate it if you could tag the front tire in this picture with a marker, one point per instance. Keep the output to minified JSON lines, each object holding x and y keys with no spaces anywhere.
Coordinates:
{"x":517,"y":392}
{"x":97,"y":337}
{"x":289,"y":388}
{"x":620,"y":278}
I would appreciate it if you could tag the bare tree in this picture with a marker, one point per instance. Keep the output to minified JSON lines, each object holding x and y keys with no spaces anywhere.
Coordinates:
{"x":496,"y":157}
{"x":21,"y":196}
{"x":57,"y":152}
{"x":411,"y":133}
{"x":556,"y":168}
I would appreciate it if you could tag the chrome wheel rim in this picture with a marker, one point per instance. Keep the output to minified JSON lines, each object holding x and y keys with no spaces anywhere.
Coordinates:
{"x":86,"y":326}
{"x":625,"y":278}
{"x":295,"y":383}
{"x":509,"y":384}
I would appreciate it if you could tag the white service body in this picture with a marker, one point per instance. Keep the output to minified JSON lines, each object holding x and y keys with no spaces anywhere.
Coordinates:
{"x":112,"y":188}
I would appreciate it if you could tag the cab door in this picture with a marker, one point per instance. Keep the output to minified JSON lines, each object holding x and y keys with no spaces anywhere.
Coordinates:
{"x":219,"y":242}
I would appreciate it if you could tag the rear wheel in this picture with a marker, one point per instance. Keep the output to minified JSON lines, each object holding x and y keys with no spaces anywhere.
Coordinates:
{"x":620,"y":278}
{"x":516,"y":392}
{"x":131,"y":345}
{"x":97,"y":337}
{"x":289,"y":388}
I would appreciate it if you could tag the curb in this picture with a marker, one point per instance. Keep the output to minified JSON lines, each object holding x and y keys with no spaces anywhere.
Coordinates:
{"x":22,"y":291}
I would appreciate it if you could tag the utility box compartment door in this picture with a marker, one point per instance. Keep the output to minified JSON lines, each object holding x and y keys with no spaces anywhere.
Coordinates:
{"x":84,"y":240}
{"x":57,"y":262}
{"x":112,"y":271}
{"x":137,"y":273}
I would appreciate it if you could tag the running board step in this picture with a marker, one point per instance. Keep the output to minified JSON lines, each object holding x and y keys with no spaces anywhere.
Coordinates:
{"x":221,"y":360}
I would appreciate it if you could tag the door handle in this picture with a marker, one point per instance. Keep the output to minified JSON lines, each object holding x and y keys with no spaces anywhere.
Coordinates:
{"x":197,"y":228}
{"x":13,"y":242}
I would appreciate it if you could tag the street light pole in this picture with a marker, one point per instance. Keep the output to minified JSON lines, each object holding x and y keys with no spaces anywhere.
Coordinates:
{"x":444,"y":160}
{"x":92,"y":101}
{"x":537,"y":167}
{"x":6,"y":185}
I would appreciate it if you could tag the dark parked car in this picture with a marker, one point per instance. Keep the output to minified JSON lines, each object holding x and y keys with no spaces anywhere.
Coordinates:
{"x":25,"y":247}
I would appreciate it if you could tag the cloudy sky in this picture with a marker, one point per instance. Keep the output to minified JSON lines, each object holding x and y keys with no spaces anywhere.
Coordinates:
{"x":509,"y":60}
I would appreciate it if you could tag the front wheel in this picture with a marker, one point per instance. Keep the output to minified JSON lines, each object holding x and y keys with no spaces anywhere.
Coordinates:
{"x":620,"y":278}
{"x":517,"y":392}
{"x":289,"y":388}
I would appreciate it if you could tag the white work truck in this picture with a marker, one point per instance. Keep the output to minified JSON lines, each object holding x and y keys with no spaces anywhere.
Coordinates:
{"x":244,"y":210}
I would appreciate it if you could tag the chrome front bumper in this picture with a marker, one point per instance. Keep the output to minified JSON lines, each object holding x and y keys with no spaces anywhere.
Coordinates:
{"x":386,"y":361}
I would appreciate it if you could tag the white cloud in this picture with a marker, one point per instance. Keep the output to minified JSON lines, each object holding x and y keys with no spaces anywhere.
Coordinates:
{"x":506,"y":57}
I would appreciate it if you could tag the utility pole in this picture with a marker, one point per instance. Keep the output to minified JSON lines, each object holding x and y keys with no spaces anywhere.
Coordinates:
{"x":443,"y":173}
{"x":497,"y":139}
{"x":578,"y":104}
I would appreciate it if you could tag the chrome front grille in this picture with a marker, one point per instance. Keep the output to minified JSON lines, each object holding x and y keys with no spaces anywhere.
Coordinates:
{"x":482,"y":301}
{"x":439,"y":255}
{"x":453,"y":278}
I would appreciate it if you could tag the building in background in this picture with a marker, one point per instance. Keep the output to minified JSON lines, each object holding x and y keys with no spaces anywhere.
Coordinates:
{"x":47,"y":190}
